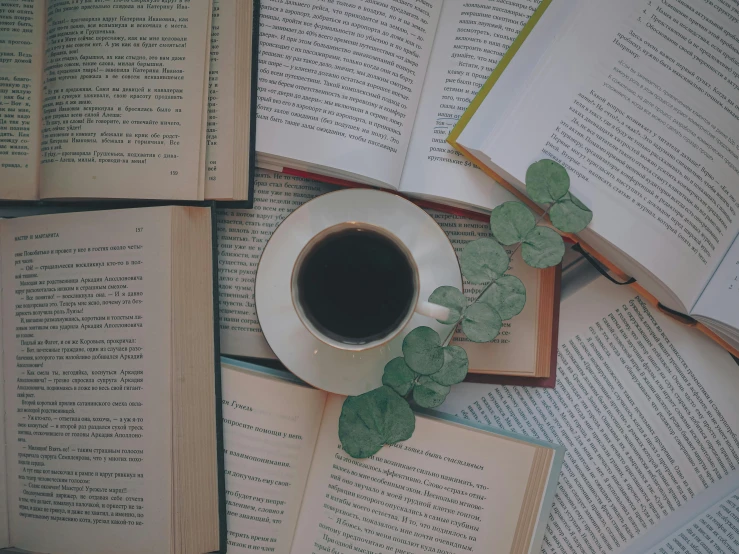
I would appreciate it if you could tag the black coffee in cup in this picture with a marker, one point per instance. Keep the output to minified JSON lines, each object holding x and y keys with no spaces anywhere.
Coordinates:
{"x":356,"y":285}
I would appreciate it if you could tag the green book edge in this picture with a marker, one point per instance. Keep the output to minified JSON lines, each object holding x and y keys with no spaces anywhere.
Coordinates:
{"x":497,"y":72}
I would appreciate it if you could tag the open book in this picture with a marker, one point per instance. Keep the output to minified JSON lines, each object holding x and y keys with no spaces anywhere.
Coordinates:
{"x":647,"y":411}
{"x":645,"y":119}
{"x":527,"y":344}
{"x":126,"y":100}
{"x":110,"y":430}
{"x":452,"y":487}
{"x":367,"y":94}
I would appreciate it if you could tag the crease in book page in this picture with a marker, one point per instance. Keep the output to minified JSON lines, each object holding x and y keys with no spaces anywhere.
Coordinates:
{"x":646,"y":410}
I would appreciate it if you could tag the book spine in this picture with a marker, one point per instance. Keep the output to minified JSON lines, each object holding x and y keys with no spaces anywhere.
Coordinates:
{"x":220,"y":455}
{"x":254,"y":82}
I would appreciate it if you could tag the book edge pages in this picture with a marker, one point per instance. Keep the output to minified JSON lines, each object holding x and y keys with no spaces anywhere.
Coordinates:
{"x":547,"y":500}
{"x":190,"y":381}
{"x":534,"y":491}
{"x":550,"y":286}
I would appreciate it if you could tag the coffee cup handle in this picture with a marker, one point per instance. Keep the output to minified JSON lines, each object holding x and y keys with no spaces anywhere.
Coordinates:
{"x":433,"y":311}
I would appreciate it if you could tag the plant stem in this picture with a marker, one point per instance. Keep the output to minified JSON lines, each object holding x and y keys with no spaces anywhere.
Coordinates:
{"x":449,"y":336}
{"x":453,"y":330}
{"x":539,"y":218}
{"x":544,"y":214}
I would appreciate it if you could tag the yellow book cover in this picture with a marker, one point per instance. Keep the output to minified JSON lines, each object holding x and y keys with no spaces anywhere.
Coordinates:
{"x":484,"y":91}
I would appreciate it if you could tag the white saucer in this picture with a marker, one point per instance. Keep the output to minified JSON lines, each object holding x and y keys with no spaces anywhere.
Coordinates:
{"x":322,"y":366}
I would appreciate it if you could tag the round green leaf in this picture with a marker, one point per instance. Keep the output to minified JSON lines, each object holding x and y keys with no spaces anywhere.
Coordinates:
{"x":398,"y":376}
{"x":569,"y":215}
{"x":547,"y":181}
{"x":422,"y":350}
{"x":483,"y":260}
{"x":452,"y":298}
{"x":455,"y":367}
{"x":543,"y":248}
{"x":373,"y":419}
{"x":511,"y":222}
{"x":481,"y":323}
{"x":507,"y":295}
{"x":429,"y":394}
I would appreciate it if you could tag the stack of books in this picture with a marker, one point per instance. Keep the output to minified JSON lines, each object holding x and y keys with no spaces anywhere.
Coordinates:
{"x":125,"y":430}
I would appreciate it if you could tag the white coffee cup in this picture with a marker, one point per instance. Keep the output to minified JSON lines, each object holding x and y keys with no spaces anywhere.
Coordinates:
{"x":415,"y":305}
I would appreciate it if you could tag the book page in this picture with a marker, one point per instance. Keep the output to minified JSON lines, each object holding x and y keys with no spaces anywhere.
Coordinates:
{"x":645,"y":120}
{"x":706,"y":525}
{"x":720,"y":299}
{"x":242,"y":236}
{"x":269,"y":446}
{"x":470,"y":41}
{"x":514,"y":351}
{"x":434,"y":491}
{"x":645,"y":407}
{"x":86,"y":357}
{"x":21,"y":63}
{"x":339,"y":83}
{"x":713,"y":532}
{"x":124,"y":100}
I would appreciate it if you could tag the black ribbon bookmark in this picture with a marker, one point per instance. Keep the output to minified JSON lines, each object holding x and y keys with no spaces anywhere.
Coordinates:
{"x":681,"y":317}
{"x":602,"y":270}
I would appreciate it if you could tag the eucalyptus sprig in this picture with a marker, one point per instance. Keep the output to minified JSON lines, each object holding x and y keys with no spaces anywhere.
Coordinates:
{"x":429,"y":366}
